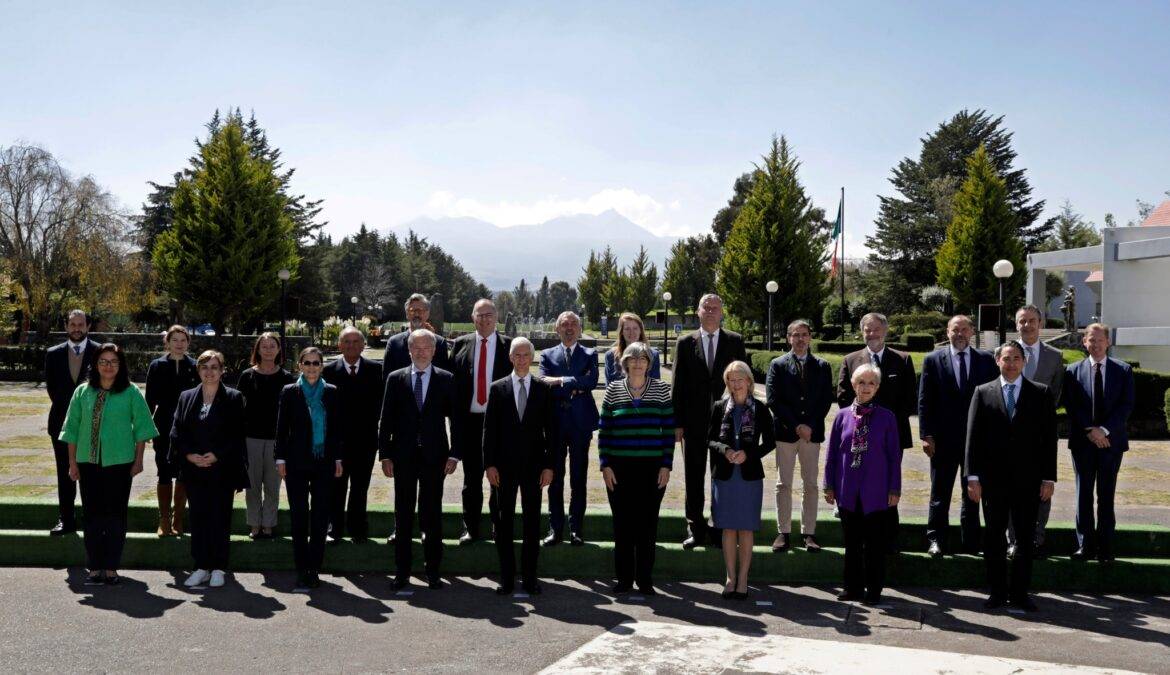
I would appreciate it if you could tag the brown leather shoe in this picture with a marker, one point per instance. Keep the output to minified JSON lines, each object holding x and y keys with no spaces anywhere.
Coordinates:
{"x":165,"y":491}
{"x":179,"y":516}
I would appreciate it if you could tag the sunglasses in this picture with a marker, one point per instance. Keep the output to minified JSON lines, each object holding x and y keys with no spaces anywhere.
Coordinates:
{"x":311,"y":364}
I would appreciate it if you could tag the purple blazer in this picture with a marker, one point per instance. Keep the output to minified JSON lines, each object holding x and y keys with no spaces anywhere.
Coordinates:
{"x":881,"y":466}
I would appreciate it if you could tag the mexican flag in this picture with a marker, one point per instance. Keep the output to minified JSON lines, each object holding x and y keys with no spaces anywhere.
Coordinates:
{"x":838,"y":236}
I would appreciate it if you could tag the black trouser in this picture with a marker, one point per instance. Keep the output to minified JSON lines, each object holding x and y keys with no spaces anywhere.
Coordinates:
{"x":891,"y":524}
{"x":472,"y":442}
{"x":1019,"y":508}
{"x":66,"y":488}
{"x":424,"y":483}
{"x":210,"y":494}
{"x":503,"y":504}
{"x":943,"y":468}
{"x":1043,"y":509}
{"x":168,"y":467}
{"x":695,"y":460}
{"x":634,"y":503}
{"x":865,"y":550}
{"x":105,"y":494}
{"x":354,"y":482}
{"x":309,"y":489}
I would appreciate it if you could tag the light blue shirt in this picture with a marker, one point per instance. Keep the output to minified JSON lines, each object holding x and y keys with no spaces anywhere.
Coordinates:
{"x":426,"y":380}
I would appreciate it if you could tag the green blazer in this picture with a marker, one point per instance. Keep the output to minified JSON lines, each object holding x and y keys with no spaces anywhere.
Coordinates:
{"x":125,"y":422}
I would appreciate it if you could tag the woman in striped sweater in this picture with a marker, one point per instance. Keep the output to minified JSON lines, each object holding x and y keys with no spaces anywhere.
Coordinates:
{"x":636,"y":449}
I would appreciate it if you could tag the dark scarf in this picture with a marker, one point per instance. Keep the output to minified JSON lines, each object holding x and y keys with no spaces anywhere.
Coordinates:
{"x":861,"y":415}
{"x":747,"y":421}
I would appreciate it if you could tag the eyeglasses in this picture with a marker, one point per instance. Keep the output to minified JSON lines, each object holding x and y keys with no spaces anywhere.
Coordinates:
{"x":107,"y":362}
{"x":311,"y":364}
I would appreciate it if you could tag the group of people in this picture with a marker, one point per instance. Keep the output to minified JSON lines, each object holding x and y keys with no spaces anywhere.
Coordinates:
{"x":989,"y":419}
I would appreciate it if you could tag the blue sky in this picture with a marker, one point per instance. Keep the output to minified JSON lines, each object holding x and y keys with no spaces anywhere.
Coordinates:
{"x":516,"y":113}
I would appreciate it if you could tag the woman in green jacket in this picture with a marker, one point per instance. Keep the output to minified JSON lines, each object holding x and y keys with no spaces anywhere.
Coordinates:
{"x":107,"y":427}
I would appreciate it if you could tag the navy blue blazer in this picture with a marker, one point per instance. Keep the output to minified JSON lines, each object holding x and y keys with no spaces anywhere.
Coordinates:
{"x":1078,"y":402}
{"x":942,"y":407}
{"x":613,"y":370}
{"x":412,"y":437}
{"x":576,"y":409}
{"x":794,"y":403}
{"x":294,"y":428}
{"x":60,"y":385}
{"x":398,"y":355}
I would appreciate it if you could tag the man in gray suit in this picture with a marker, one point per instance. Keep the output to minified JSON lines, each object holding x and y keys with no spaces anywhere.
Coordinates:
{"x":1044,"y":365}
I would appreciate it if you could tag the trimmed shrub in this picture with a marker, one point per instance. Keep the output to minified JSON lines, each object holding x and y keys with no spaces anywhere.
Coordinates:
{"x":934,"y":323}
{"x":919,"y":342}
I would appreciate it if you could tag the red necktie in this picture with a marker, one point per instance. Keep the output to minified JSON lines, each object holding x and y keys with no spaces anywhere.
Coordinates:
{"x":481,"y":378}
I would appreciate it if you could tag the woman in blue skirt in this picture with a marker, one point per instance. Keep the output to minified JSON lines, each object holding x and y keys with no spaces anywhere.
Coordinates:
{"x":740,"y":433}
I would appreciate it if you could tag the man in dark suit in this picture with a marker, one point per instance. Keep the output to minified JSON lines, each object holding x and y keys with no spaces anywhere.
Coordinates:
{"x":418,"y":314}
{"x":571,"y":370}
{"x":1043,"y":364}
{"x":1010,"y":467}
{"x":1099,"y":397}
{"x":416,"y":407}
{"x":359,"y":385}
{"x":477,"y":360}
{"x":898,"y":392}
{"x":699,"y":360}
{"x":800,"y":393}
{"x":949,"y":378}
{"x":519,"y":430}
{"x":66,"y":366}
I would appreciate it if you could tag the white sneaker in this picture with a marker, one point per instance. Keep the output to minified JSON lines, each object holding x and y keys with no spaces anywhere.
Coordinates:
{"x":197,"y":578}
{"x":216,"y":578}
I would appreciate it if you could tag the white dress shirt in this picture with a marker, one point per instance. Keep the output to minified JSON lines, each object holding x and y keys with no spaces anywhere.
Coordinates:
{"x":356,"y":366}
{"x":491,"y":358}
{"x":955,"y":363}
{"x":710,"y":343}
{"x":516,"y":380}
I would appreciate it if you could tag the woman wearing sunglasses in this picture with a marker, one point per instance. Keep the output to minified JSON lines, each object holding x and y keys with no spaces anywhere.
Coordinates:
{"x":106,"y":428}
{"x":308,"y":458}
{"x":208,"y":439}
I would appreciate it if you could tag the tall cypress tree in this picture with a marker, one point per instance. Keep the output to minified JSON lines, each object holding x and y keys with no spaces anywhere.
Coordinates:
{"x":778,"y":235}
{"x":912,"y":225}
{"x":231,"y":234}
{"x":983,"y":231}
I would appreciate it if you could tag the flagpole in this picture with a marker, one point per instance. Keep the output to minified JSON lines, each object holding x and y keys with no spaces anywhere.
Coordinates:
{"x":841,"y":218}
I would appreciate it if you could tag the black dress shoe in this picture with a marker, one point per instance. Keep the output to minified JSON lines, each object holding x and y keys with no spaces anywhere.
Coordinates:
{"x":871,"y":600}
{"x":811,"y":545}
{"x":1025,"y":604}
{"x":533,"y":589}
{"x":740,"y":595}
{"x":302,"y":583}
{"x":934,"y":550}
{"x":1105,"y":557}
{"x":434,"y":583}
{"x":846,"y":596}
{"x":623,"y":587}
{"x":95,"y":579}
{"x":994,"y":602}
{"x":314,"y":580}
{"x":467,"y":538}
{"x":575,"y":539}
{"x":551,"y":540}
{"x":1081,"y":554}
{"x":690,"y":542}
{"x":505,"y":589}
{"x":728,"y":594}
{"x":63,"y":528}
{"x":113,"y":580}
{"x":400,"y":582}
{"x":1039,"y":552}
{"x":647,"y":589}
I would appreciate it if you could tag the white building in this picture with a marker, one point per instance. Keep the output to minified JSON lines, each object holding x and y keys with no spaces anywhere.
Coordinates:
{"x":1132,"y":265}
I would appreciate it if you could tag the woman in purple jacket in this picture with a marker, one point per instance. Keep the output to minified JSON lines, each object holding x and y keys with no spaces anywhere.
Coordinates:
{"x":863,"y":474}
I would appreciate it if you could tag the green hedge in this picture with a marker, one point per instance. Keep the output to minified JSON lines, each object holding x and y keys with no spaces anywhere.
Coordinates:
{"x":919,"y":342}
{"x":1166,"y":409}
{"x":1151,"y":394}
{"x":934,"y":323}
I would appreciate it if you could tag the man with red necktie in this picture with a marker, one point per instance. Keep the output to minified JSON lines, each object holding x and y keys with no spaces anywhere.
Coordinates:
{"x":478,"y":359}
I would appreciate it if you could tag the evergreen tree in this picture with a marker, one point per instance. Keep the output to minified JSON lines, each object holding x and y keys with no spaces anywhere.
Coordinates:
{"x":544,"y":299}
{"x":779,"y":235}
{"x":618,"y":292}
{"x":231,"y":234}
{"x":912,"y":225}
{"x":725,"y":217}
{"x":983,"y":231}
{"x":643,"y":284}
{"x":562,"y":297}
{"x":690,"y":272}
{"x":590,"y":287}
{"x":1071,"y":230}
{"x":524,"y":300}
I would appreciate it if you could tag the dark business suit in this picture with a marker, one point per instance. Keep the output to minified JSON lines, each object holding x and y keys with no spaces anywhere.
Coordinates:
{"x":795,"y":399}
{"x":898,"y":393}
{"x":520,"y":449}
{"x":1093,"y":465}
{"x":416,"y":441}
{"x":359,"y":406}
{"x":942,"y":414}
{"x":164,"y":382}
{"x":577,"y":419}
{"x":211,"y":489}
{"x":467,"y":430}
{"x":60,"y":384}
{"x":397,"y":354}
{"x":308,"y":477}
{"x":694,"y":389}
{"x":1046,"y":365}
{"x":1011,"y":456}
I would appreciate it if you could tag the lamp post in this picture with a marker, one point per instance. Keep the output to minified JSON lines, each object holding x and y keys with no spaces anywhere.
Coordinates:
{"x":666,"y":296}
{"x":283,"y":275}
{"x":771,"y":287}
{"x":353,"y":301}
{"x":1002,"y":270}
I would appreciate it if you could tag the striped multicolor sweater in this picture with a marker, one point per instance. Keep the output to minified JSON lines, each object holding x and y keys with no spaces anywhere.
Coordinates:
{"x":641,"y":429}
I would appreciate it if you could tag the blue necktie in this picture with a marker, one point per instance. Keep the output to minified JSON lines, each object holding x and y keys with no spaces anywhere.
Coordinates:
{"x":1010,"y":399}
{"x":418,"y":390}
{"x":77,"y":350}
